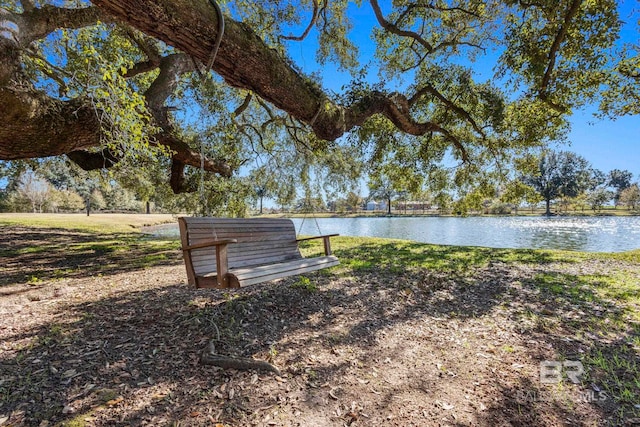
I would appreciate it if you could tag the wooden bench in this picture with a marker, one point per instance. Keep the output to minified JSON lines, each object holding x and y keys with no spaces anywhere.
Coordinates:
{"x":229,"y":253}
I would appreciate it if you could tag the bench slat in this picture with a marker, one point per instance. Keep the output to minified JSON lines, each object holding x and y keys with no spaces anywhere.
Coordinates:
{"x":250,"y":276}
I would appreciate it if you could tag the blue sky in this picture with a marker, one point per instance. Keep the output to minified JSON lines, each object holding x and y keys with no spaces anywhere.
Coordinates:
{"x":607,"y":144}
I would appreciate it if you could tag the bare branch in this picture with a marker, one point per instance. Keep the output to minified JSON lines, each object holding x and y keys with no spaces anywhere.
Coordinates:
{"x":51,"y":71}
{"x":242,"y":107}
{"x":449,"y":9}
{"x":392,"y":28}
{"x":314,"y":18}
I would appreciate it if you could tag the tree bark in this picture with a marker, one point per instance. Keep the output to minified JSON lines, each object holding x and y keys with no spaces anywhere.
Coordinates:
{"x":246,"y":61}
{"x":33,"y":124}
{"x":548,"y":207}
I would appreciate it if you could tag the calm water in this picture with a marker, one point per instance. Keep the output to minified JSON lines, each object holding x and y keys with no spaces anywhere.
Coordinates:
{"x":592,"y":234}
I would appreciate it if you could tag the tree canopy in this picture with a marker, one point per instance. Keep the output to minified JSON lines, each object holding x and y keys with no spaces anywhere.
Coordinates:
{"x":560,"y":174}
{"x":114,"y":80}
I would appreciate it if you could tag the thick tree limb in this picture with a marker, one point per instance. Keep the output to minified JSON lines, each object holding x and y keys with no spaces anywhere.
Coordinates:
{"x":32,"y":124}
{"x":93,"y":160}
{"x":37,"y":23}
{"x":246,"y":62}
{"x":27,"y":5}
{"x":171,"y":69}
{"x":146,"y":44}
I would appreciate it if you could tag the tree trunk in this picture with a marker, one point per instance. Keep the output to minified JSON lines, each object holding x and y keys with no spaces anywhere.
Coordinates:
{"x":88,"y":206}
{"x":32,"y":125}
{"x":548,"y":207}
{"x":148,"y":209}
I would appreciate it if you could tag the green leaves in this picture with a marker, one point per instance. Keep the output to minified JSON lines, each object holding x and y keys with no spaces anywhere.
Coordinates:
{"x":559,"y":48}
{"x":97,"y":60}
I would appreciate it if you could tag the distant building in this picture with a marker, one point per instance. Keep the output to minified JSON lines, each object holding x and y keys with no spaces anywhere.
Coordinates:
{"x":373,"y":205}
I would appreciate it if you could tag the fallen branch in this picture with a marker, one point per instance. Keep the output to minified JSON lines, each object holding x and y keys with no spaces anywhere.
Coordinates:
{"x":210,"y":357}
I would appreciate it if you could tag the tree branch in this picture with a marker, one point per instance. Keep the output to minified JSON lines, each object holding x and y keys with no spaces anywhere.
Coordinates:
{"x":27,"y":5}
{"x":392,"y":28}
{"x":45,"y":20}
{"x":314,"y":18}
{"x":242,"y":107}
{"x":93,"y":160}
{"x":146,"y":45}
{"x":450,"y":104}
{"x":555,"y":47}
{"x":32,"y":124}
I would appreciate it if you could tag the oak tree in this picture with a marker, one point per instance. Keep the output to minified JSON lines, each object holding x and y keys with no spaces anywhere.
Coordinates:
{"x":106,"y":81}
{"x":559,"y":174}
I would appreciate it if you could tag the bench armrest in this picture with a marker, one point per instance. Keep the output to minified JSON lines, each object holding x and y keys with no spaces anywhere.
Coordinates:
{"x":325,"y":239}
{"x":209,"y":243}
{"x":222,"y":264}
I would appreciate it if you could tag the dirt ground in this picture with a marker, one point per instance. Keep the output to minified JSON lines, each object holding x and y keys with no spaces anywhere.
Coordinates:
{"x":355,"y":348}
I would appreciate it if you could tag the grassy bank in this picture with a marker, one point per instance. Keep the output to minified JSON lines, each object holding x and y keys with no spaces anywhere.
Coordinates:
{"x":97,"y":223}
{"x":99,"y":324}
{"x":77,"y":245}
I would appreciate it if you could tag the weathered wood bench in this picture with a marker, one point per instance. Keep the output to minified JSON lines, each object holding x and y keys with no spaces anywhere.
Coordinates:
{"x":229,"y":253}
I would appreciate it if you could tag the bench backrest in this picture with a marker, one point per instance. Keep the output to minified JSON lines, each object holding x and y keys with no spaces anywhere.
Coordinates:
{"x":260,"y":241}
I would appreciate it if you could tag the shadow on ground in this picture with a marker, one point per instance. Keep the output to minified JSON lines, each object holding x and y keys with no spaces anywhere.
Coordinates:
{"x":32,"y":255}
{"x":132,"y":358}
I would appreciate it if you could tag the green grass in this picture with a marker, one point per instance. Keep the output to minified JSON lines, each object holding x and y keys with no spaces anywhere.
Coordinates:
{"x":76,"y":246}
{"x":365,"y":253}
{"x":610,"y":310}
{"x":305,"y":283}
{"x":95,"y":223}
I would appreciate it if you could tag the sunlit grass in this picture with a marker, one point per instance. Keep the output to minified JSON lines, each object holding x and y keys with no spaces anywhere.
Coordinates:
{"x":366,"y":253}
{"x":74,"y":245}
{"x":95,"y":223}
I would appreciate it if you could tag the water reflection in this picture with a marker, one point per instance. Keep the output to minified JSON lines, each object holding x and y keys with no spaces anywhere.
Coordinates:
{"x":591,"y":234}
{"x":594,"y":234}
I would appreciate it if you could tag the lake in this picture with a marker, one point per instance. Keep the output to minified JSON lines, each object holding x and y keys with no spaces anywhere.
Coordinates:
{"x":591,"y":234}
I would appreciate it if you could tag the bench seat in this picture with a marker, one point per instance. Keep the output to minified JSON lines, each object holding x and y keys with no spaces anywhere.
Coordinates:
{"x":263,"y":273}
{"x":224,"y":252}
